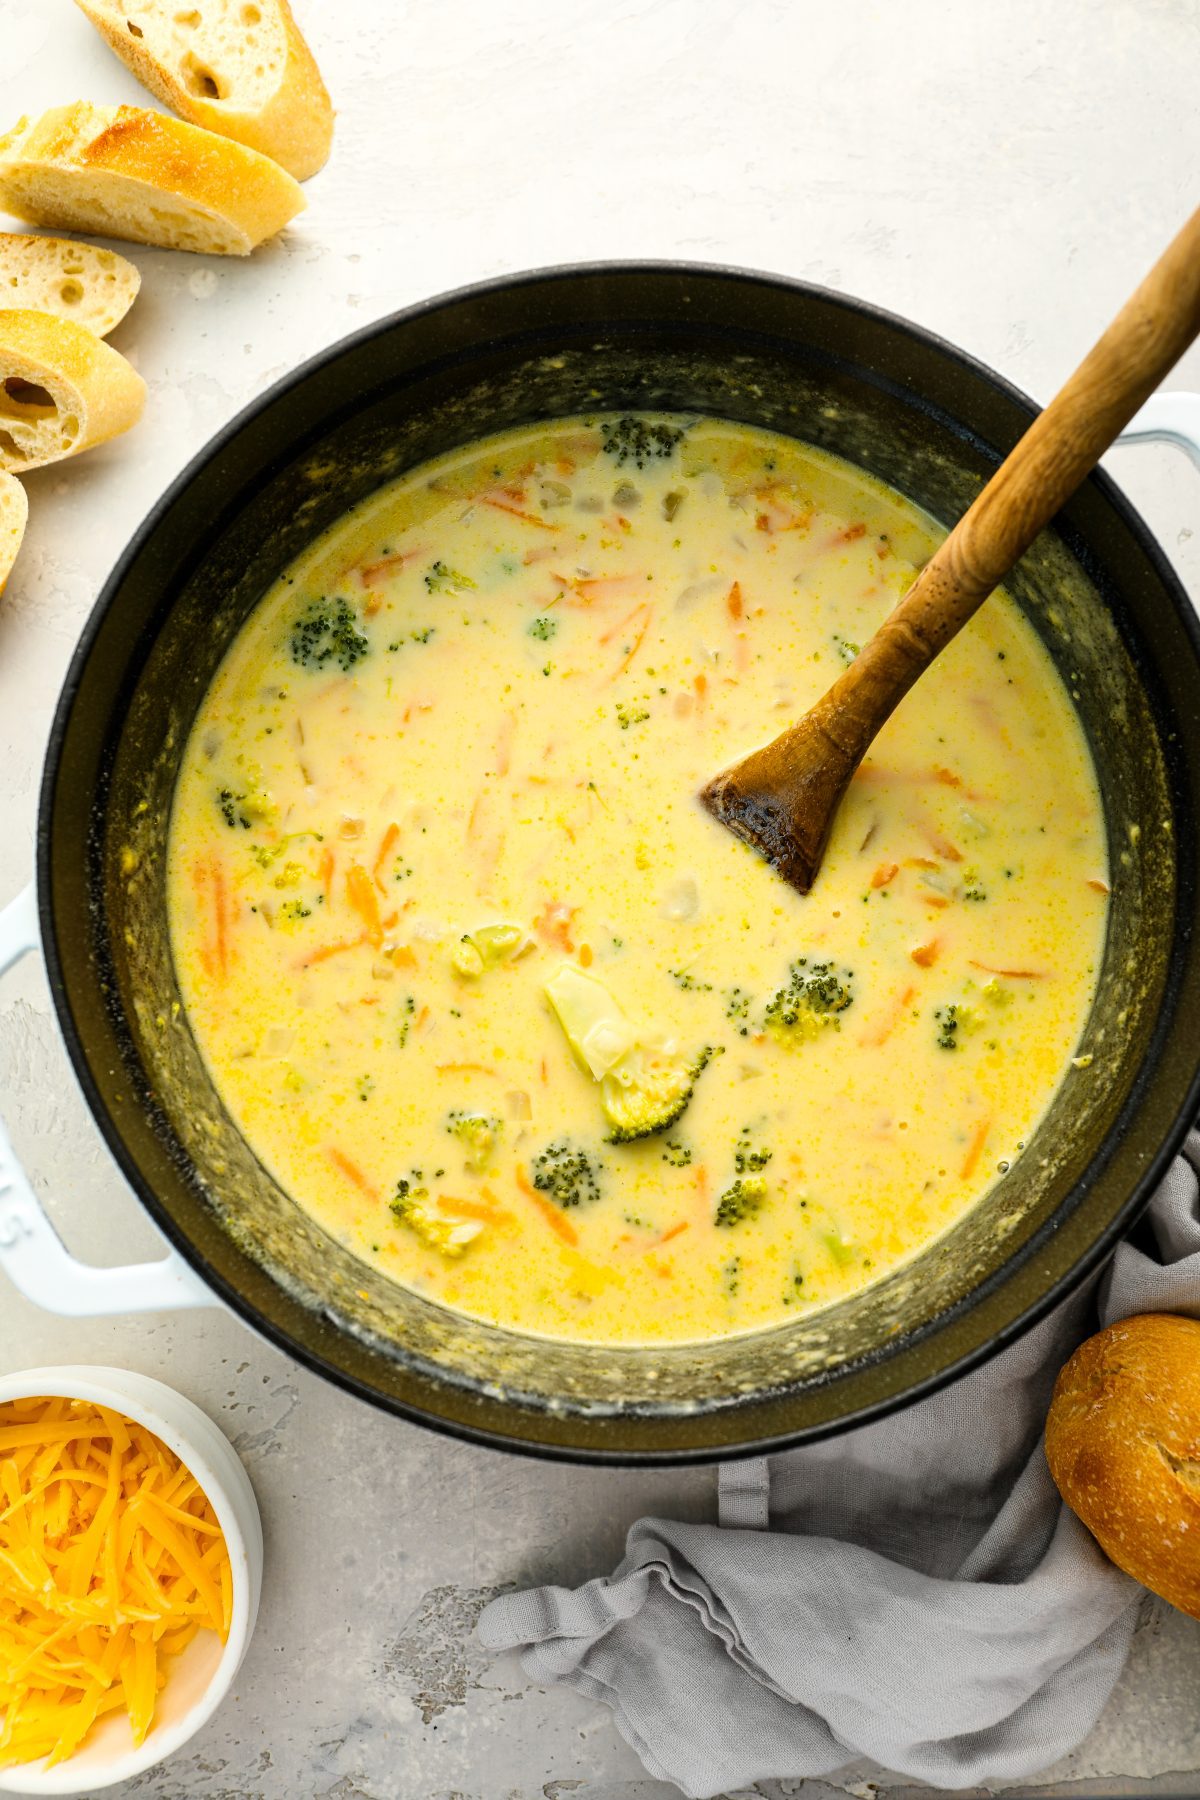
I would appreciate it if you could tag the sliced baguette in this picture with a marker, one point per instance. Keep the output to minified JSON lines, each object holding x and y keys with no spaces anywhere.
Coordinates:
{"x":61,"y":390}
{"x":14,"y":510}
{"x":120,"y":171}
{"x":81,"y":282}
{"x":239,"y":67}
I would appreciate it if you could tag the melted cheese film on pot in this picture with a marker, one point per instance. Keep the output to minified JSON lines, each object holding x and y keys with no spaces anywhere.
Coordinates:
{"x":502,"y":1006}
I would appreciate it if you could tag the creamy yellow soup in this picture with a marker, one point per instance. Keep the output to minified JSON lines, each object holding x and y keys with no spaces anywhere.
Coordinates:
{"x":502,"y":1006}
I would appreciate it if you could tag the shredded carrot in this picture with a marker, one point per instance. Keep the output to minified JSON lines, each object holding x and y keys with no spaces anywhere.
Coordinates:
{"x":947,"y":777}
{"x":733,"y":600}
{"x":517,"y":512}
{"x":1101,"y":887}
{"x":932,"y":899}
{"x":459,"y":1208}
{"x":208,"y":879}
{"x":975,"y":1148}
{"x":370,"y":573}
{"x":389,"y":839}
{"x":562,"y":1227}
{"x":553,"y":924}
{"x":328,"y":950}
{"x":594,"y":587}
{"x":606,"y":637}
{"x":403,"y":956}
{"x":1011,"y":974}
{"x":325,"y":873}
{"x":925,"y":955}
{"x":941,"y":845}
{"x":463,"y":1068}
{"x":701,"y":1180}
{"x":351,"y":1171}
{"x":881,"y":1031}
{"x":672,"y":1233}
{"x":504,"y":742}
{"x":885,"y":873}
{"x":701,"y":686}
{"x":920,"y":862}
{"x":852,"y":532}
{"x":585,"y":956}
{"x":648,"y":613}
{"x":360,"y":891}
{"x":372,"y":604}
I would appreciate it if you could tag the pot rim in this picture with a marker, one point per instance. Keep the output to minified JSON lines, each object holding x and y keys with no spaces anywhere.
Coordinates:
{"x":1091,"y":1259}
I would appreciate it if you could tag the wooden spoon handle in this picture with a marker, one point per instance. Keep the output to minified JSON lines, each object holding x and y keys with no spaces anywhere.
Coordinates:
{"x":1061,"y":447}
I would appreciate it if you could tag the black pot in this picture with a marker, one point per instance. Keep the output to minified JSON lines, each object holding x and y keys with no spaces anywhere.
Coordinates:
{"x":775,"y":353}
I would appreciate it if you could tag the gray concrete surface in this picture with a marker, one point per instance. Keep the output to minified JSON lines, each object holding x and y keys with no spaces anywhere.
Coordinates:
{"x":1001,"y":172}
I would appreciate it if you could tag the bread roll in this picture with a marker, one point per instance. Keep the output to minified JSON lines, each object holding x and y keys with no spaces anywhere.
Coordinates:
{"x":1123,"y":1444}
{"x":14,"y":510}
{"x":61,"y":390}
{"x":93,"y":287}
{"x":120,"y":171}
{"x":239,"y":69}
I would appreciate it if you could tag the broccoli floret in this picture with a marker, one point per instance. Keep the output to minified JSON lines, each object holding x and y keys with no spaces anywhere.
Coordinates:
{"x":326,"y":633}
{"x":542,"y":628}
{"x":644,"y":1084}
{"x":814,"y":996}
{"x":484,"y":948}
{"x":569,"y":1176}
{"x":479,"y":1135}
{"x":746,"y":1159}
{"x":845,"y":648}
{"x":947,"y":1020}
{"x":441,"y":580}
{"x":413,"y":1207}
{"x":677,"y":1154}
{"x":648,"y":1089}
{"x":639,"y":441}
{"x":691,"y":984}
{"x":232,"y":811}
{"x":631,"y":713}
{"x":246,"y":807}
{"x":741,"y":1200}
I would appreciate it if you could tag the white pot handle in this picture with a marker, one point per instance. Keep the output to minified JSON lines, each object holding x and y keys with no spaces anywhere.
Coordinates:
{"x":1167,"y":419}
{"x":32,"y":1254}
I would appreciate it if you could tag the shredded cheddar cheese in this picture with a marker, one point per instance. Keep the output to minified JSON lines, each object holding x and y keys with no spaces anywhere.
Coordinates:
{"x":111,"y":1560}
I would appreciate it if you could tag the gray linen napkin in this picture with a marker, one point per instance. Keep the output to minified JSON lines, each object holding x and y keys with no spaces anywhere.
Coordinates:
{"x":913,"y":1592}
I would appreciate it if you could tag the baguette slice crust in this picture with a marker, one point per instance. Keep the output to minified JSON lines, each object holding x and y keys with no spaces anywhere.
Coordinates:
{"x":1123,"y":1444}
{"x":237,"y":67}
{"x":14,"y":510}
{"x":81,"y":282}
{"x":121,"y":171}
{"x":62,"y":390}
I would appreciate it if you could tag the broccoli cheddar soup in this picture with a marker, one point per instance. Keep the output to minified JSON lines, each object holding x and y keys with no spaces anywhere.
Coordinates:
{"x":503,"y":1007}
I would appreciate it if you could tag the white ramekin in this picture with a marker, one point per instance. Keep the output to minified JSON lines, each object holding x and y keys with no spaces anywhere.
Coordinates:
{"x":198,"y":1680}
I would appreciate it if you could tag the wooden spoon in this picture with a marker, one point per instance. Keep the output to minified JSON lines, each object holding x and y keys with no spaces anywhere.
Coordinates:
{"x":782,"y":799}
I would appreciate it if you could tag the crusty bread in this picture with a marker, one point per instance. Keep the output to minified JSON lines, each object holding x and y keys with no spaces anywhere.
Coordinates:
{"x":1123,"y":1444}
{"x":81,"y":282}
{"x":120,"y":171}
{"x":14,"y":510}
{"x":61,"y":390}
{"x":239,"y":67}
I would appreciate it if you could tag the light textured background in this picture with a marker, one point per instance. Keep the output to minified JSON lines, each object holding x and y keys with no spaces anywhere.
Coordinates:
{"x":1001,"y":172}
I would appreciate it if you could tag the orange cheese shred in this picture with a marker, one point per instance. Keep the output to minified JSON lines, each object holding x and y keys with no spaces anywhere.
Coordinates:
{"x":111,"y":1560}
